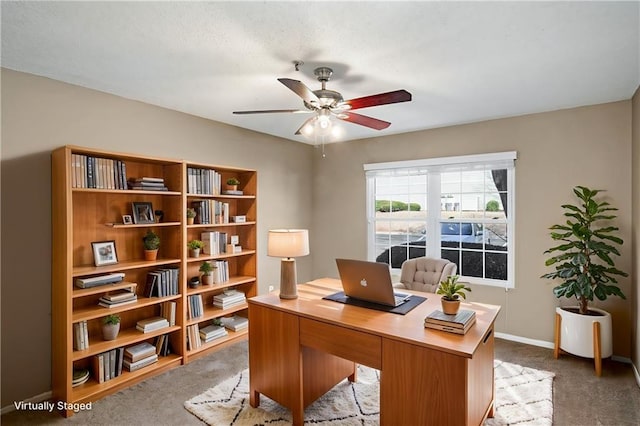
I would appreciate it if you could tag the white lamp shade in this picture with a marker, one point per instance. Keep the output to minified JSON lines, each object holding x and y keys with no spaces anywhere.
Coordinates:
{"x":288,"y":243}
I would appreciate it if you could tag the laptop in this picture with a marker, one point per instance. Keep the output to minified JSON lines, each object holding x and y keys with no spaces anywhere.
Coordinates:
{"x":369,"y":281}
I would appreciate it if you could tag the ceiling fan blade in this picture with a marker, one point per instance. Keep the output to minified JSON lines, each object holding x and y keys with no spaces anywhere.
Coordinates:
{"x":379,"y":99}
{"x":307,"y":121}
{"x":363,"y":120}
{"x":269,"y":111}
{"x":301,"y":90}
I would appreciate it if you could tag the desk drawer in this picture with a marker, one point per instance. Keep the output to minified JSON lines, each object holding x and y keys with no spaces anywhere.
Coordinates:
{"x":362,"y":348}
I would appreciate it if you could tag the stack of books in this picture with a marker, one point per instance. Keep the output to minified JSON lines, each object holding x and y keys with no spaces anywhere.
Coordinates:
{"x":229,"y":298}
{"x":118,"y":298}
{"x":235,"y":323}
{"x":151,"y":324}
{"x":147,"y":184}
{"x":458,"y":323}
{"x":140,"y":355}
{"x":212,"y":332}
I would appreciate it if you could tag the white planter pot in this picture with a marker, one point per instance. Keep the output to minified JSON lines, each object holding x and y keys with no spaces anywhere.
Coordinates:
{"x":576,"y":332}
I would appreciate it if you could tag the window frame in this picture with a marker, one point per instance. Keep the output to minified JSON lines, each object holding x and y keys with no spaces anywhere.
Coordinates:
{"x":433,"y":168}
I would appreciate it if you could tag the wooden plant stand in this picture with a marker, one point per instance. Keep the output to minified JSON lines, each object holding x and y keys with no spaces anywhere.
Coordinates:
{"x":597,"y":351}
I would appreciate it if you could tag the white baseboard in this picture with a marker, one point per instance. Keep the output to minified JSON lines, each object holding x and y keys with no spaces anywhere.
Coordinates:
{"x":35,"y":399}
{"x":532,"y":342}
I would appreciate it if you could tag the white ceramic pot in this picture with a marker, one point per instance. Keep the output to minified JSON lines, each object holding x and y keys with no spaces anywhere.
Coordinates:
{"x":576,"y":332}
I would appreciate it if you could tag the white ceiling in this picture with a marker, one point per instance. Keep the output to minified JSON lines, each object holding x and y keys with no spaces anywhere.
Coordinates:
{"x":462,"y":61}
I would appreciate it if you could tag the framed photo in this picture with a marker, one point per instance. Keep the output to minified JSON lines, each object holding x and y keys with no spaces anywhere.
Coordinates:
{"x":127,"y":219}
{"x":104,"y":253}
{"x":143,"y":213}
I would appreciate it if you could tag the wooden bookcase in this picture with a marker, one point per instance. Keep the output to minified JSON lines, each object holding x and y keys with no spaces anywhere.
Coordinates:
{"x":82,"y":215}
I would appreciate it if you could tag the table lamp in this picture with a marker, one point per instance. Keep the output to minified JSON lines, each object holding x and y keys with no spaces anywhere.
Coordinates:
{"x":288,"y":244}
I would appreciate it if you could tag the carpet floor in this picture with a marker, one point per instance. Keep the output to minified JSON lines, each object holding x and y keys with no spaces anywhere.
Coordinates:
{"x":523,"y":396}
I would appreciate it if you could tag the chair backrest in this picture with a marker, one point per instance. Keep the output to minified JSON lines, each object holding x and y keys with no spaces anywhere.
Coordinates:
{"x":425,"y":273}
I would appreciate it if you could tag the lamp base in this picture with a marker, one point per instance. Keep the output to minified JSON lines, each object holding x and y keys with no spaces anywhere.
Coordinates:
{"x":288,"y":279}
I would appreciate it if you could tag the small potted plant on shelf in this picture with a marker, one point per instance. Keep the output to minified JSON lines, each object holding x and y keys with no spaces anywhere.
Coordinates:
{"x":207,"y":273}
{"x":194,"y":247}
{"x":451,"y":291}
{"x":110,"y":327}
{"x":232,"y":184}
{"x":191,"y":215}
{"x":151,"y":242}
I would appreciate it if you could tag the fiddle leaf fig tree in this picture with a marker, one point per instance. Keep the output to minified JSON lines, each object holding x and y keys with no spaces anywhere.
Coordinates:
{"x":583,"y":259}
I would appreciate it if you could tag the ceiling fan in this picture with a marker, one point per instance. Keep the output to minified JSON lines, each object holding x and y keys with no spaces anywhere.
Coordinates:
{"x":327,"y":103}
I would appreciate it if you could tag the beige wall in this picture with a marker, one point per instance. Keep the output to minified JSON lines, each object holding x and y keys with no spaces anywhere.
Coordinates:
{"x":556,"y":151}
{"x":636,"y":232}
{"x":39,"y":115}
{"x":326,"y":195}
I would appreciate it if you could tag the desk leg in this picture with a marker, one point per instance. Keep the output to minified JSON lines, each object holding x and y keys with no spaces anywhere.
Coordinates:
{"x":254,"y":398}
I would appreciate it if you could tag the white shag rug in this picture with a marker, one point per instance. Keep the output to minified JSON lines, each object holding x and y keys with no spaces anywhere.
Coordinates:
{"x":524,"y":396}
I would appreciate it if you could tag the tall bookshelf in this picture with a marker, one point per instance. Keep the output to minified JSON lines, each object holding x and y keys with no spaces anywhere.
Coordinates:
{"x":82,"y":215}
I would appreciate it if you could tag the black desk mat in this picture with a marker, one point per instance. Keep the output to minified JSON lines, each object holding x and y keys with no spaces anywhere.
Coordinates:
{"x":403,"y":309}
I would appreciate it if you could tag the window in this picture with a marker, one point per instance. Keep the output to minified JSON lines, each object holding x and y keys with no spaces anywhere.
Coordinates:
{"x":457,"y":208}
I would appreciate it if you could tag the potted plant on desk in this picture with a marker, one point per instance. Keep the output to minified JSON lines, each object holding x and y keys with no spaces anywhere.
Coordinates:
{"x":451,"y":291}
{"x":584,"y":264}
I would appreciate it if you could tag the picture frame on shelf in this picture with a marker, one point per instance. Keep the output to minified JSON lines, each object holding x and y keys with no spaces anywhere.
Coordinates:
{"x":104,"y":253}
{"x":127,"y":219}
{"x":142,"y":212}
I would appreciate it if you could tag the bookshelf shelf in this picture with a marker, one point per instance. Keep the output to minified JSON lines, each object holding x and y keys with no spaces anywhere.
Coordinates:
{"x":89,"y":201}
{"x":92,"y":390}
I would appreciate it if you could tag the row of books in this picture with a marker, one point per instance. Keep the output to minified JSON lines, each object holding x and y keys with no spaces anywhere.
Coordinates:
{"x":94,"y":172}
{"x":163,"y":347}
{"x":229,"y":298}
{"x":220,"y":271}
{"x":148,"y":325}
{"x":108,"y":365}
{"x":120,"y":297}
{"x":203,"y":181}
{"x":210,"y":211}
{"x":195,"y":307}
{"x":215,"y":242}
{"x":193,"y":337}
{"x":80,"y":336}
{"x":162,"y":282}
{"x":168,"y":311}
{"x":459,"y":323}
{"x":147,"y":184}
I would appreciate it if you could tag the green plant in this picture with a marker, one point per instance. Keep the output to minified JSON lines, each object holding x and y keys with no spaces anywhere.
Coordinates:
{"x":233,"y":181}
{"x":111,"y":319}
{"x":451,"y":289}
{"x":395,"y":206}
{"x":584,"y":262}
{"x":195,"y":244}
{"x":191,"y":213}
{"x":492,"y":206}
{"x":206,"y":268}
{"x":151,"y":240}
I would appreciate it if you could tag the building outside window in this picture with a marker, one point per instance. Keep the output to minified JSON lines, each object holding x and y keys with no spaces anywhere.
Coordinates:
{"x":457,"y":208}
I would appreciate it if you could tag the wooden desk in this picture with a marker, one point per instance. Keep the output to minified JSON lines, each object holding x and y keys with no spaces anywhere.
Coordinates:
{"x":299,"y":349}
